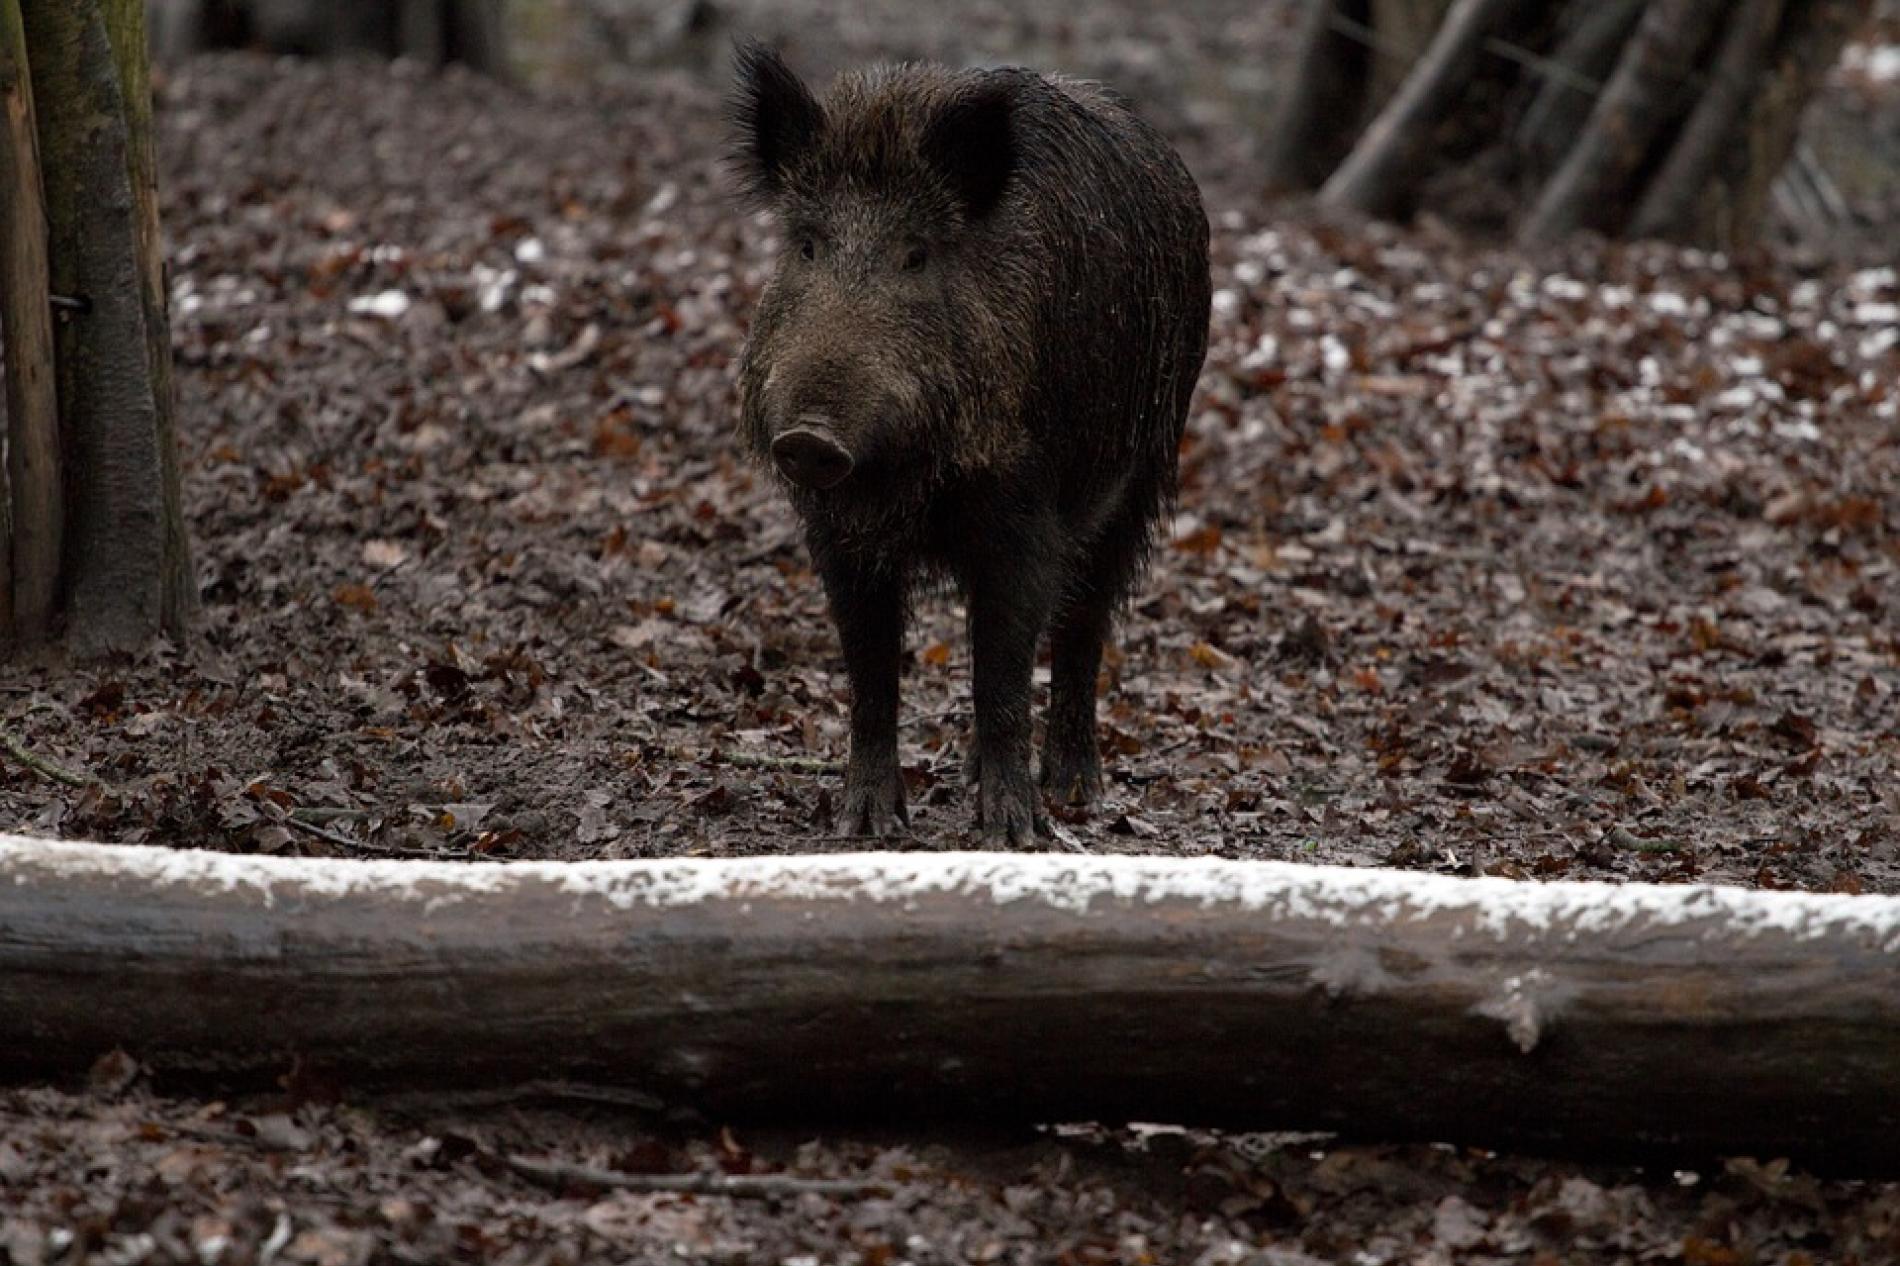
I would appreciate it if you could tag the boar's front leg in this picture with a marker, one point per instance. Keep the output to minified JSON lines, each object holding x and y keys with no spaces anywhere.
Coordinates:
{"x":1009,"y":605}
{"x":868,"y":608}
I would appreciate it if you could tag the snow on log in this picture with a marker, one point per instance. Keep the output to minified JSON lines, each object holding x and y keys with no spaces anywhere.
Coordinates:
{"x":1579,"y":1017}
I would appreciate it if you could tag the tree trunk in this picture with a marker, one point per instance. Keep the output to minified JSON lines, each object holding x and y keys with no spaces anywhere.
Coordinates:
{"x":432,"y":32}
{"x":125,"y":23}
{"x":1636,"y":107}
{"x":126,"y":576}
{"x":477,"y":36}
{"x":1580,"y":1017}
{"x":1809,"y":42}
{"x":29,"y":574}
{"x":1584,"y":56}
{"x":1403,"y":29}
{"x":420,"y":32}
{"x":1670,"y":202}
{"x":1320,"y":113}
{"x":1672,"y":117}
{"x":1375,"y":175}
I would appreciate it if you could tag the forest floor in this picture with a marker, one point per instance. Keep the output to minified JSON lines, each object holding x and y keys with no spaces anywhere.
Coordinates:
{"x":1581,"y":565}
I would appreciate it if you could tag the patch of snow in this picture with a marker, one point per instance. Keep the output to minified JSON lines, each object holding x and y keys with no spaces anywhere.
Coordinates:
{"x":1799,"y":429}
{"x":1879,"y":343}
{"x":1668,"y":303}
{"x":387,"y":304}
{"x":1879,"y":63}
{"x":1340,"y":897}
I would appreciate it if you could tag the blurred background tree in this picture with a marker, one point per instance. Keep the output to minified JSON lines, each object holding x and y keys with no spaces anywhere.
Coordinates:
{"x":433,"y":32}
{"x":1652,"y":118}
{"x":1670,"y":118}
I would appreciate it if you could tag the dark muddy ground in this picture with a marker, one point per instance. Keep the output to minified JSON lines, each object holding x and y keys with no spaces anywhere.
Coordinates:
{"x":111,"y":1175}
{"x":1583,"y":565}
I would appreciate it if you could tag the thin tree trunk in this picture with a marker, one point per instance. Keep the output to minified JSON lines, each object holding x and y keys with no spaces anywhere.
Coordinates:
{"x":126,"y":21}
{"x":1807,"y":47}
{"x":1403,"y":30}
{"x":419,"y":32}
{"x":1632,"y":112}
{"x":1318,"y":117}
{"x":121,"y":558}
{"x":1581,"y":1017}
{"x":1379,"y":171}
{"x":29,"y":573}
{"x":125,"y":24}
{"x":178,"y":28}
{"x":1670,"y":201}
{"x":477,"y":36}
{"x":1586,"y":54}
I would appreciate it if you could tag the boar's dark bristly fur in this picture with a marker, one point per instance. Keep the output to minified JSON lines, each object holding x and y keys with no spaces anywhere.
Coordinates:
{"x":973,"y":360}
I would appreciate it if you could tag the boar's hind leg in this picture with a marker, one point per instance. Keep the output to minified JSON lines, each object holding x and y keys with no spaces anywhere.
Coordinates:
{"x":1009,"y":606}
{"x":869,"y":611}
{"x":1071,"y":761}
{"x":1071,"y":758}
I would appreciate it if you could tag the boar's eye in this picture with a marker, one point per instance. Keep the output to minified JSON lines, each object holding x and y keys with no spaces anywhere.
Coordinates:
{"x":916,"y":257}
{"x":807,"y":248}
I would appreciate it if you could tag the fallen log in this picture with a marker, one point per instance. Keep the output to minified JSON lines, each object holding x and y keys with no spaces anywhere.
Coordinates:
{"x":1574,"y":1017}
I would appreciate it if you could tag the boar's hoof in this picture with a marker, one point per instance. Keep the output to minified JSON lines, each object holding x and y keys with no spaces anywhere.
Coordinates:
{"x":1007,"y":814}
{"x":812,"y":457}
{"x":874,"y":807}
{"x":1072,"y":779}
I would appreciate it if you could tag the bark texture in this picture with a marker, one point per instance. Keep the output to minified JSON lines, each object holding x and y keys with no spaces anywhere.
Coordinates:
{"x":125,"y":574}
{"x":34,"y":501}
{"x":125,"y":22}
{"x":1585,"y":1018}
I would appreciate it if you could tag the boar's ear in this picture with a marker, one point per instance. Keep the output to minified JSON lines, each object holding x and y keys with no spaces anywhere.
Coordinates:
{"x":773,"y":117}
{"x":972,"y":142}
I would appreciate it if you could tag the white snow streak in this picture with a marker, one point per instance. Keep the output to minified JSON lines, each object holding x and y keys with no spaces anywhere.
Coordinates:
{"x":1343,"y":896}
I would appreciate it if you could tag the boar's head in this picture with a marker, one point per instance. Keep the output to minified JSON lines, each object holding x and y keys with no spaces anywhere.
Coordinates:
{"x":891,"y":344}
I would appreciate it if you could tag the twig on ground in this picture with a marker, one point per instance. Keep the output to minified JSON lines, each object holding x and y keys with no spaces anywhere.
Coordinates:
{"x":327,"y":813}
{"x":325,"y":833}
{"x":933,"y":718}
{"x":741,"y":1186}
{"x":371,"y":847}
{"x":46,"y":768}
{"x":376,"y":581}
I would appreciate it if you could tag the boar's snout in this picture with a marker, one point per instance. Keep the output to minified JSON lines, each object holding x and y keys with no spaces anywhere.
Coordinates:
{"x":810,"y":454}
